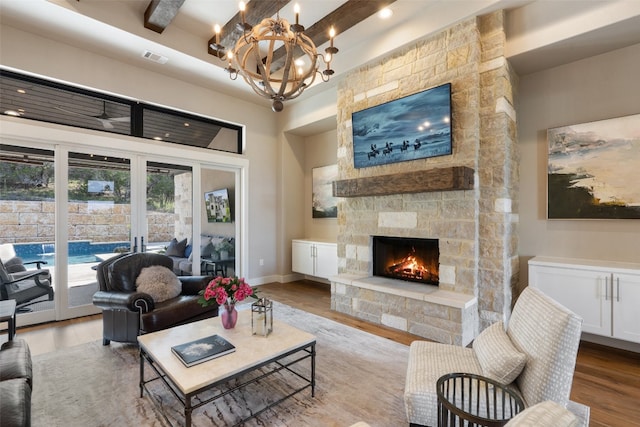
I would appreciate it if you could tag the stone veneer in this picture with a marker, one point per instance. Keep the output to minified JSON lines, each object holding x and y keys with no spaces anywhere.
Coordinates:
{"x":476,"y":228}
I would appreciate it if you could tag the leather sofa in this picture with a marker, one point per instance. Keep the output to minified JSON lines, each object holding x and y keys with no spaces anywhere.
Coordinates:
{"x":16,"y":383}
{"x":127,"y":313}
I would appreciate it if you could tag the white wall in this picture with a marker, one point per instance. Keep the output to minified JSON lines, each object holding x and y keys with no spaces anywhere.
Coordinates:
{"x":595,"y":88}
{"x":320,"y":150}
{"x":27,"y":52}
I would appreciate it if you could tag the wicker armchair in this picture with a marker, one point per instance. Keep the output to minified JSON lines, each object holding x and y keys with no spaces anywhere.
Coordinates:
{"x":548,"y":335}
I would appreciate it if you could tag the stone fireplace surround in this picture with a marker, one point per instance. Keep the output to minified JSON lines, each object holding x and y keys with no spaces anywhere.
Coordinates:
{"x":475,"y":223}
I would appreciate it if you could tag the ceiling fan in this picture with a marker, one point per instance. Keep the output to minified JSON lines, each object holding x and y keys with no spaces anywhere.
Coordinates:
{"x":103,"y":117}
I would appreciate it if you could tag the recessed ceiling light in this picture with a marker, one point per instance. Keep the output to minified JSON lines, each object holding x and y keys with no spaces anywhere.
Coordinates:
{"x":21,"y":91}
{"x":186,"y":124}
{"x":385,"y":13}
{"x":12,"y":113}
{"x":157,"y":138}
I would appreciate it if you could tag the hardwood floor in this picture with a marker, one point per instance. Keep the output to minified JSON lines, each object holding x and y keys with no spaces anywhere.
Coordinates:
{"x":606,"y":379}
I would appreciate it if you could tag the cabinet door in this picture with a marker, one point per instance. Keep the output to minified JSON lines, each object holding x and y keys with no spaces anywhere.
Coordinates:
{"x":326,"y":260}
{"x":302,"y":257}
{"x":585,"y":292}
{"x":626,"y":307}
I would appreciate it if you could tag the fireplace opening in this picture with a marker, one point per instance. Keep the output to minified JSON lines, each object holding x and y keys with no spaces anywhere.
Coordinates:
{"x":414,"y":260}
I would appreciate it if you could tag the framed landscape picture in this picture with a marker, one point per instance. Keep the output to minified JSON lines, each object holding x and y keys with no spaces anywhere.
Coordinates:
{"x":323,"y":204}
{"x":592,"y":170}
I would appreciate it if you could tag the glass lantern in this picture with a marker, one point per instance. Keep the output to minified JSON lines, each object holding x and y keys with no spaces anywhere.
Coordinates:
{"x":262,"y":317}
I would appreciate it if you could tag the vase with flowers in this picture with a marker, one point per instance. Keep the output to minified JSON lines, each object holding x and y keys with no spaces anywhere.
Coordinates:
{"x":226,"y":291}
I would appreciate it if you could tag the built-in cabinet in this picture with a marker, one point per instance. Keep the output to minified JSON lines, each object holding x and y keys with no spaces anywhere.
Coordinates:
{"x":605,"y":294}
{"x":314,"y":258}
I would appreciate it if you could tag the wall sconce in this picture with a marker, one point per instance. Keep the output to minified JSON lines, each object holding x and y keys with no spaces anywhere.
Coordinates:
{"x":262,"y":317}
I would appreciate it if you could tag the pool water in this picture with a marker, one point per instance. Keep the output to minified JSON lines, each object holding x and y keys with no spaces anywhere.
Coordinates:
{"x":80,"y":252}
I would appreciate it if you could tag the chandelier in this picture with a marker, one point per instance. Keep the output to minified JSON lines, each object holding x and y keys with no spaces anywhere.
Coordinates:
{"x":256,"y":57}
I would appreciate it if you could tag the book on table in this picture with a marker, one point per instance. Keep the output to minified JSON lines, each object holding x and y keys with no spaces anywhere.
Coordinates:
{"x":203,"y":349}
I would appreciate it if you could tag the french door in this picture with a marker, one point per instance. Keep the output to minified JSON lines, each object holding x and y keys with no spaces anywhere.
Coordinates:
{"x":79,"y":206}
{"x":75,"y":198}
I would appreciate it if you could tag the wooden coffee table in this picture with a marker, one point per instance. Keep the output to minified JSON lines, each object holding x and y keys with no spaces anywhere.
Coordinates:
{"x":252,"y":353}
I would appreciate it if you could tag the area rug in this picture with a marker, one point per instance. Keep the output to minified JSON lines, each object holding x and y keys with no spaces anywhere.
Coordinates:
{"x":359,"y":377}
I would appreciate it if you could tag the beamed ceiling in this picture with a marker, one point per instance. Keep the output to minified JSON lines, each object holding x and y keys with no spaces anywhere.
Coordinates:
{"x":160,"y":13}
{"x":540,"y":34}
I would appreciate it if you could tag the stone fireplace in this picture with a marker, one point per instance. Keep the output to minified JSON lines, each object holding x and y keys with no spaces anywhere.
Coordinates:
{"x":462,"y":201}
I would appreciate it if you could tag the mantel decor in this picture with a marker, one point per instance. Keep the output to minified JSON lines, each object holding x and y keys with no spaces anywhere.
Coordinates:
{"x":591,"y":168}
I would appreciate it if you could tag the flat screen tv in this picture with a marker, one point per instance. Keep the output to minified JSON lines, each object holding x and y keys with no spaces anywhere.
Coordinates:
{"x":218,"y":206}
{"x":414,"y":127}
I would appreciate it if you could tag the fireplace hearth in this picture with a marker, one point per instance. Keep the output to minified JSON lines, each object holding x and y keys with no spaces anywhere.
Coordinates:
{"x":409,"y":259}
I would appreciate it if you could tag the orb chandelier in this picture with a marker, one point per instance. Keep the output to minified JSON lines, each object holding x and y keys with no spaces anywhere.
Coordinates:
{"x":254,"y":57}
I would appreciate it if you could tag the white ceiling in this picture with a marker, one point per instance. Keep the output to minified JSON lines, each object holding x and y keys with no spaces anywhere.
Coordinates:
{"x":541,"y":33}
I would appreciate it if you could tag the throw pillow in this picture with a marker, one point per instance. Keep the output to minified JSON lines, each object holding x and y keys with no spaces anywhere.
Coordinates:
{"x":176,"y":248}
{"x":159,"y":282}
{"x":498,"y":357}
{"x":187,"y":251}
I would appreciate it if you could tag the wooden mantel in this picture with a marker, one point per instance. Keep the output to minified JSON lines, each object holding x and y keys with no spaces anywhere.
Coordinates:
{"x":441,"y":179}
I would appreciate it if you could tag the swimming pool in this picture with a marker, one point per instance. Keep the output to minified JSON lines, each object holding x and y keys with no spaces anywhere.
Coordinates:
{"x":80,"y":251}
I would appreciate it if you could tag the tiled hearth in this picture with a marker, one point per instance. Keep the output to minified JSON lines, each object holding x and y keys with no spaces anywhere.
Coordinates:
{"x":425,"y":310}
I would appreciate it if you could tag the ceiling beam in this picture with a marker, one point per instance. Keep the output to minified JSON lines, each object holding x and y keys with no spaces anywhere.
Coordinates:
{"x":160,"y":13}
{"x":256,"y":11}
{"x":341,"y":19}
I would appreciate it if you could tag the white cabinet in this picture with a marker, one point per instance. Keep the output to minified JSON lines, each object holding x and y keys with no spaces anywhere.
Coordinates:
{"x":605,"y":294}
{"x":314,"y":258}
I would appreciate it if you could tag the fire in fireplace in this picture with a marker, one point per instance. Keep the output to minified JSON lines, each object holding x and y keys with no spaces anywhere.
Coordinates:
{"x":415,"y":260}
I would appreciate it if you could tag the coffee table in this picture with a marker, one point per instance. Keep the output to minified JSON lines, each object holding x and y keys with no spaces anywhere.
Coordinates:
{"x":252,"y":353}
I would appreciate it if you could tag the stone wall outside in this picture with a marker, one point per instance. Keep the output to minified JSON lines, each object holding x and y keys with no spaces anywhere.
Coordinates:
{"x":27,"y":222}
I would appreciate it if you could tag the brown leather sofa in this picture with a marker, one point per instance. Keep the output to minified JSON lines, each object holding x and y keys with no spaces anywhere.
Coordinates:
{"x":127,"y":313}
{"x":16,"y":383}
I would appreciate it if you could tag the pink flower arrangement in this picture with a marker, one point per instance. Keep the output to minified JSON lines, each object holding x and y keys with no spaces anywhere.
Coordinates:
{"x":225,"y":290}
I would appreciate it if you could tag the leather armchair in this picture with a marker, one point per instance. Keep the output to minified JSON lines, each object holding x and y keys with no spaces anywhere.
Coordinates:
{"x":127,"y":313}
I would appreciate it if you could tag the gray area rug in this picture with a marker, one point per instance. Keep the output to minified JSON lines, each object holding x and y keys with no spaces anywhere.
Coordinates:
{"x":359,"y":377}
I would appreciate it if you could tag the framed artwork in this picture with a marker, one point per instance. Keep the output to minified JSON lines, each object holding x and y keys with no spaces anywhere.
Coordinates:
{"x":414,"y":127}
{"x":217,"y":206}
{"x":592,"y":170}
{"x":323,"y":204}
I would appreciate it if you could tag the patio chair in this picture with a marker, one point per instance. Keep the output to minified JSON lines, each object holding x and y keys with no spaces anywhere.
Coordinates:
{"x":12,"y":262}
{"x":27,"y":287}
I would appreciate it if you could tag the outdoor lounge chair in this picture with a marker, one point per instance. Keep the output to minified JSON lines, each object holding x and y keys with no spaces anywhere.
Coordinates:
{"x":25,"y":286}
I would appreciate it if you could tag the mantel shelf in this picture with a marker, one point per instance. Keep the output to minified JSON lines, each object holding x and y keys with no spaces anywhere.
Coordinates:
{"x":442,"y":179}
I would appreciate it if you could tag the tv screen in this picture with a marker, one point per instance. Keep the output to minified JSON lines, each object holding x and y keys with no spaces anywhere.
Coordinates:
{"x":414,"y":127}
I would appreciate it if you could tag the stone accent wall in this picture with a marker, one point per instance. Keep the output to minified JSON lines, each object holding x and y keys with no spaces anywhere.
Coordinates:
{"x":26,"y":222}
{"x":475,"y":228}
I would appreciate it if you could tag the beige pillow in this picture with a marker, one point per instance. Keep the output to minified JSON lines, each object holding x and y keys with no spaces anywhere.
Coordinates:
{"x":499,"y":359}
{"x":159,"y":282}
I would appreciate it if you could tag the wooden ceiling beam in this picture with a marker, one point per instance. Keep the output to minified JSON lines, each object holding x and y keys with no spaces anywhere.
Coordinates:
{"x":341,"y":19}
{"x":256,"y":11}
{"x":160,"y":13}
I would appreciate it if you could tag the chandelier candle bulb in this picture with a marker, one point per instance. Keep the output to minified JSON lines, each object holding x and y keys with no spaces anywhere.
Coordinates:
{"x":217,"y":31}
{"x":296,"y":10}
